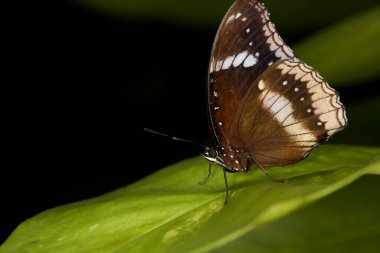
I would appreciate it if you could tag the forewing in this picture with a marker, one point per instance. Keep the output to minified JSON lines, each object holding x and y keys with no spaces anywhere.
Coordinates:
{"x":287,"y":112}
{"x":246,"y":44}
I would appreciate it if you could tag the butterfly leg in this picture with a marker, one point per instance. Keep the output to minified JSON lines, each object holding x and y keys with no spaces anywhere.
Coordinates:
{"x":266,"y":172}
{"x":226,"y":183}
{"x":208,"y":175}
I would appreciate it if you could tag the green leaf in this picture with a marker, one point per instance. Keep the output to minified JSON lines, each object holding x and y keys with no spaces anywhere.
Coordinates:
{"x":169,"y":212}
{"x":348,"y":52}
{"x":325,"y":226}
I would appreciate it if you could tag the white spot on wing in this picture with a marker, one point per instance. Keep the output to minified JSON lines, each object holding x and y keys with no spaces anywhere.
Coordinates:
{"x":240,"y":58}
{"x":250,"y":61}
{"x":262,"y":85}
{"x":230,"y":18}
{"x":248,"y":30}
{"x":238,"y":15}
{"x":227,"y":62}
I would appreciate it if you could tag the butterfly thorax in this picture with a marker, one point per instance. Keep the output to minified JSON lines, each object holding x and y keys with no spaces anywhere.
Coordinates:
{"x":233,"y":160}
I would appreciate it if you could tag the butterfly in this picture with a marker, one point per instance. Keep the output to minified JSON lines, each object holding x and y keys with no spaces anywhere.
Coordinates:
{"x":265,"y":106}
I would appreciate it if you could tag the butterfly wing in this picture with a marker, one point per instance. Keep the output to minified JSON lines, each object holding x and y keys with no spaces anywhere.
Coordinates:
{"x":285,"y":113}
{"x":246,"y":44}
{"x":263,"y":102}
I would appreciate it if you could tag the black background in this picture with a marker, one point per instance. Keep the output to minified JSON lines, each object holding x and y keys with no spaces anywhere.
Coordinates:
{"x":83,"y":86}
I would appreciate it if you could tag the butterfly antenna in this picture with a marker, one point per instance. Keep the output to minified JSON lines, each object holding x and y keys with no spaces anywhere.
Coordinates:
{"x":174,"y":138}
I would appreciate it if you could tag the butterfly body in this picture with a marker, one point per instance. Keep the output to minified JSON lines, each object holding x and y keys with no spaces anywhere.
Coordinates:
{"x":265,"y":106}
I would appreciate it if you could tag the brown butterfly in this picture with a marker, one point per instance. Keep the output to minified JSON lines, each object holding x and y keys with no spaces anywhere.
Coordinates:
{"x":265,"y":106}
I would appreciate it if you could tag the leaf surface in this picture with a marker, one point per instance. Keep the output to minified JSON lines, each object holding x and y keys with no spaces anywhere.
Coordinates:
{"x":170,"y":212}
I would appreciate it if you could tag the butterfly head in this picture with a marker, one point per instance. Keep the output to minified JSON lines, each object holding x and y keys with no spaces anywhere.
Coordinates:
{"x":231,"y":160}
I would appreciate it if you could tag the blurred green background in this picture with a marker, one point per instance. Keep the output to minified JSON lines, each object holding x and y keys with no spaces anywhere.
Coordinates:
{"x":90,"y":74}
